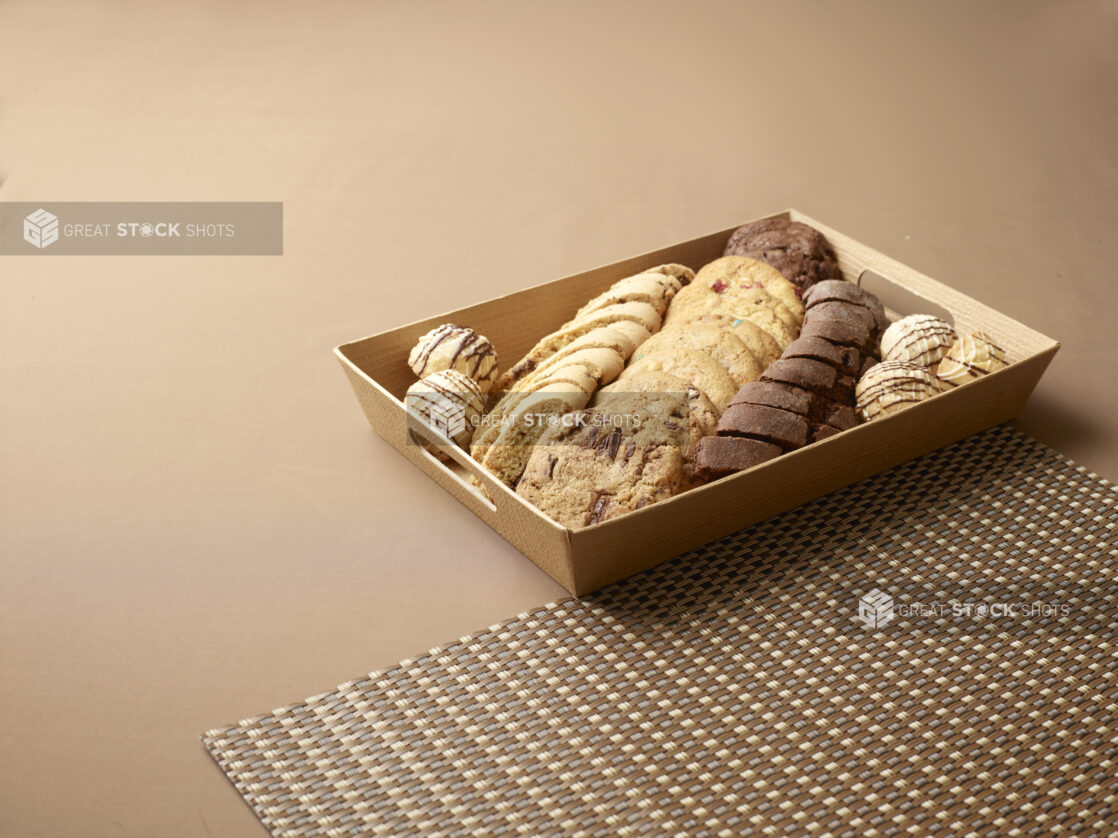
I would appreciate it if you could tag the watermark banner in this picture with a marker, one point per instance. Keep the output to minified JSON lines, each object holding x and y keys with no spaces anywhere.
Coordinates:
{"x":92,"y":228}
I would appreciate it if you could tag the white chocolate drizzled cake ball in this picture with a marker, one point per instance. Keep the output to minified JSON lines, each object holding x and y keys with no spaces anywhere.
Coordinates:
{"x":919,"y":339}
{"x":450,"y":401}
{"x":451,"y":347}
{"x":891,"y":386}
{"x":970,"y":357}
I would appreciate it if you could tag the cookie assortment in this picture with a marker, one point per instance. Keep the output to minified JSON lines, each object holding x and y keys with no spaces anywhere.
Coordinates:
{"x":671,"y":378}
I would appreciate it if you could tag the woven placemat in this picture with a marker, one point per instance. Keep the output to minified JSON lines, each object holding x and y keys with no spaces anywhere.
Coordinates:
{"x":932,"y":649}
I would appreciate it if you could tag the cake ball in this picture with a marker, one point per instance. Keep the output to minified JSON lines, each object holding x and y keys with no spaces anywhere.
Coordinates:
{"x":450,"y":401}
{"x":451,"y":347}
{"x":919,"y":339}
{"x":970,"y":357}
{"x":891,"y":386}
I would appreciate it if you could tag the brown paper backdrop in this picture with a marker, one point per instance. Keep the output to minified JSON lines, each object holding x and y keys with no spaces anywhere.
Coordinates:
{"x":197,"y":525}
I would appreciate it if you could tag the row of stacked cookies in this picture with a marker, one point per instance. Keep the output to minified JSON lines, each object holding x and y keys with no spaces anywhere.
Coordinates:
{"x":808,"y":393}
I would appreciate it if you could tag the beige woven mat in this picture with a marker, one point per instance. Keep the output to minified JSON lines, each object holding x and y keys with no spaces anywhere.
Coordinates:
{"x":741,"y":689}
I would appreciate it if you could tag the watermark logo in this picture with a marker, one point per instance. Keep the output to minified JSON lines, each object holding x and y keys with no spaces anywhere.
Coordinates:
{"x":448,"y":418}
{"x":40,"y":228}
{"x":875,"y":609}
{"x":141,"y":228}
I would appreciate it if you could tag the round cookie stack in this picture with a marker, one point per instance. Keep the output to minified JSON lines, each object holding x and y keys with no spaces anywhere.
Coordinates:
{"x":564,"y":369}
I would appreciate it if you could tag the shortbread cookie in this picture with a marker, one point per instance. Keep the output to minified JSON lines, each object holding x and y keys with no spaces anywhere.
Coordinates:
{"x":694,"y":367}
{"x":720,"y":343}
{"x":891,"y":386}
{"x":602,"y":362}
{"x":798,"y":251}
{"x":458,"y":348}
{"x":652,"y":287}
{"x":642,"y":314}
{"x":589,"y":469}
{"x":721,"y":456}
{"x":622,"y":338}
{"x":498,"y":418}
{"x":919,"y":339}
{"x":970,"y":357}
{"x":450,"y":402}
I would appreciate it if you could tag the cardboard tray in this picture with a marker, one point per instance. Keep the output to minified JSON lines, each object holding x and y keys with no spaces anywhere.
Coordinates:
{"x":584,"y":559}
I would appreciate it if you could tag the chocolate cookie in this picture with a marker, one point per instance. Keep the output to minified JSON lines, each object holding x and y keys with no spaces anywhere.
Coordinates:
{"x":771,"y":424}
{"x":845,"y":359}
{"x":720,"y":456}
{"x":590,"y":468}
{"x":847,"y":292}
{"x":813,"y":376}
{"x":798,"y":251}
{"x":772,"y":394}
{"x":840,"y":332}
